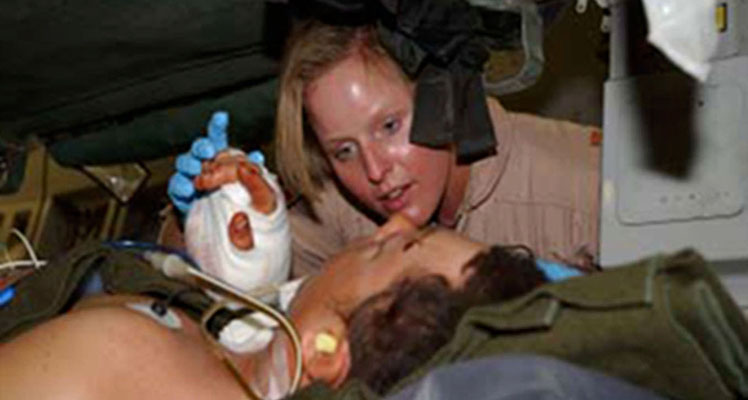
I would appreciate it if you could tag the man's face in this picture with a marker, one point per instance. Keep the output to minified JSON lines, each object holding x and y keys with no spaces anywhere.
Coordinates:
{"x":361,"y":111}
{"x":368,"y":267}
{"x":371,"y":265}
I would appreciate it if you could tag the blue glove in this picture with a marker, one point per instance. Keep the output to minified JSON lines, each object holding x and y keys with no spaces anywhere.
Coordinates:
{"x":555,"y":272}
{"x":181,"y":191}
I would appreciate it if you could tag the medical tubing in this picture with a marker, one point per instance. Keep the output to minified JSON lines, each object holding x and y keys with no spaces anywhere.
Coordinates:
{"x":221,"y":318}
{"x":147,"y":246}
{"x":192,"y":268}
{"x":259,"y":306}
{"x":21,"y":263}
{"x":160,"y":306}
{"x":221,"y":352}
{"x":27,"y":245}
{"x":34,"y":262}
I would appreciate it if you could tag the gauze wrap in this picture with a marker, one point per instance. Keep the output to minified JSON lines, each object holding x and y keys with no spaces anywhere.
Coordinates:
{"x":207,"y":237}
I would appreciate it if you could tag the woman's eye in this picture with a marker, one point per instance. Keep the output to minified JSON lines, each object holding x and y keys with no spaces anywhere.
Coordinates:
{"x":344,"y":152}
{"x":391,"y":125}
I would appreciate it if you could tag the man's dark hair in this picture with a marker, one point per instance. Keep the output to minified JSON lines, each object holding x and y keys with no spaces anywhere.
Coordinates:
{"x":396,"y":331}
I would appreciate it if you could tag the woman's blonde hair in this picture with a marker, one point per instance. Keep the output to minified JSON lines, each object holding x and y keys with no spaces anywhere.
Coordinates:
{"x":313,"y":49}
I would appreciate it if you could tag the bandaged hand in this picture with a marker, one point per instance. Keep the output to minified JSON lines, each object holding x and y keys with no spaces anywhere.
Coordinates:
{"x":239,"y":232}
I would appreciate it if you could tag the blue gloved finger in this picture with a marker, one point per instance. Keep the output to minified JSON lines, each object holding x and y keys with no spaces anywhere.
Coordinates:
{"x":180,"y":187}
{"x":188,"y":165}
{"x":217,"y":126}
{"x":182,"y":206}
{"x":256,"y":157}
{"x":203,"y":149}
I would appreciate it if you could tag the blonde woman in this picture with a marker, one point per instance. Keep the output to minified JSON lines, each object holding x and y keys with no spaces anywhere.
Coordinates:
{"x":343,"y":125}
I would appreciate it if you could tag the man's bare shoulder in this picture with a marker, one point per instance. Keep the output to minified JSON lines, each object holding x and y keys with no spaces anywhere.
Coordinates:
{"x":109,"y":351}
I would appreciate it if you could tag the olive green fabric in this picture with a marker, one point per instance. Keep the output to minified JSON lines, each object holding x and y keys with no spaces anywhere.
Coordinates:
{"x":171,"y":131}
{"x":353,"y":390}
{"x":665,"y":323}
{"x":77,"y":65}
{"x":51,"y":290}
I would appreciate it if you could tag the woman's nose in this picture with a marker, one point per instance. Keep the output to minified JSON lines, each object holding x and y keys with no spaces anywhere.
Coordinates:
{"x":376,"y":162}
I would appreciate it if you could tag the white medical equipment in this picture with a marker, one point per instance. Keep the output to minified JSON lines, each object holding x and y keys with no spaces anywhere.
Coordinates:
{"x":675,"y":150}
{"x":180,"y":269}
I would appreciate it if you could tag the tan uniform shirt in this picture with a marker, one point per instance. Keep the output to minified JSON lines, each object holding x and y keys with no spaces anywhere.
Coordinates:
{"x":540,"y":190}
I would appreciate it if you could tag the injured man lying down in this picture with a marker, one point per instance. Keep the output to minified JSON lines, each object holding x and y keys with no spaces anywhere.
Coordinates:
{"x":407,"y":313}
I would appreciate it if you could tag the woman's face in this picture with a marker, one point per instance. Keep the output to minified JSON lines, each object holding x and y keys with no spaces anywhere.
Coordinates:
{"x":361,"y":112}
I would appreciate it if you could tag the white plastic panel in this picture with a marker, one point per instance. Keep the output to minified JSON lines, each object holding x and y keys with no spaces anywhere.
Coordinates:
{"x":710,"y":120}
{"x":719,"y":230}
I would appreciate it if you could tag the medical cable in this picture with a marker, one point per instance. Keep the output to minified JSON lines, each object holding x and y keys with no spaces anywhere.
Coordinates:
{"x":160,"y":307}
{"x":8,"y":293}
{"x":183,"y":266}
{"x":148,"y":246}
{"x":33,"y":262}
{"x":230,"y":364}
{"x":176,"y":270}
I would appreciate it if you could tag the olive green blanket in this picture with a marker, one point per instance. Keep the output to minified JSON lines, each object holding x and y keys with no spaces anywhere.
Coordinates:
{"x":665,"y":323}
{"x":55,"y":288}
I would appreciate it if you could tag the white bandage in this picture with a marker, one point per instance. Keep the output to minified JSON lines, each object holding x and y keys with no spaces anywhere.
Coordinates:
{"x":253,"y":332}
{"x":207,"y":238}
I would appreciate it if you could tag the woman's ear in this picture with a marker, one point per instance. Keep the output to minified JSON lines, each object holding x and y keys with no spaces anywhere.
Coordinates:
{"x":327,"y":357}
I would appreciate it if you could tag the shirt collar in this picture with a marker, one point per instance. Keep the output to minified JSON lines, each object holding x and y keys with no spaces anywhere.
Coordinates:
{"x":486,"y":174}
